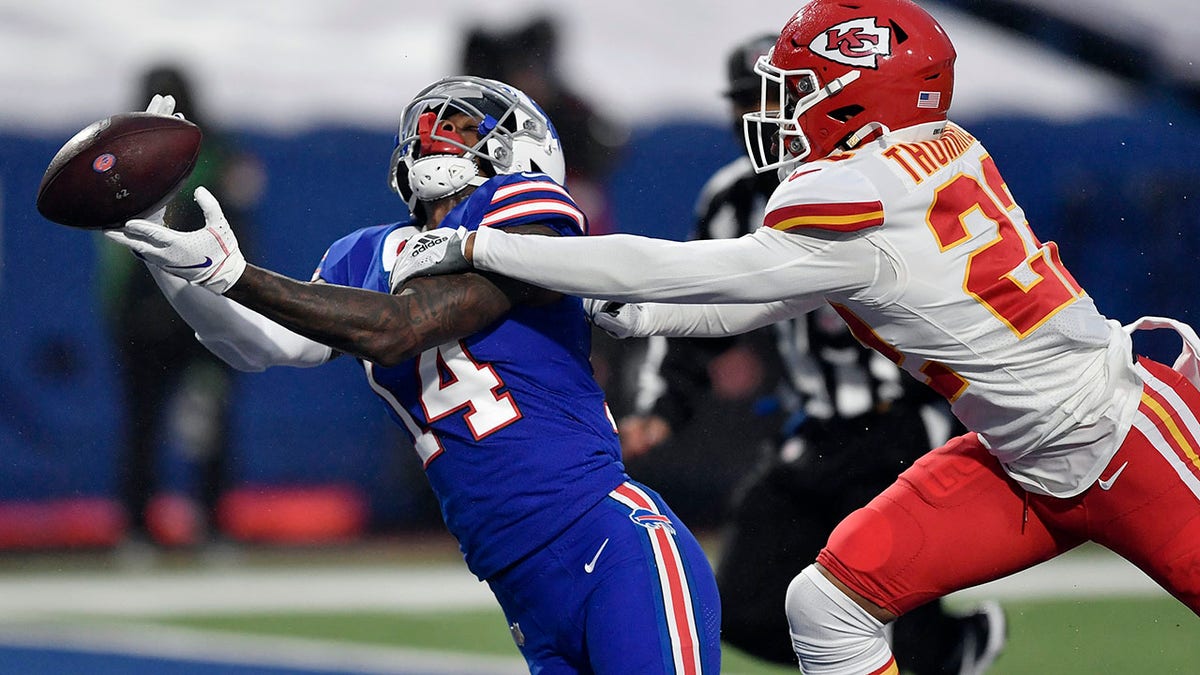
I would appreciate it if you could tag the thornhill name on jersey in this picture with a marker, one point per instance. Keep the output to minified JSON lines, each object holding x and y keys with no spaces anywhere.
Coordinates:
{"x":923,"y":159}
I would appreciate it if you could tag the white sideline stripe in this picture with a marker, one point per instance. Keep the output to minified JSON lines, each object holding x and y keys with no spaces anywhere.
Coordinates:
{"x":278,"y":652}
{"x":232,"y":590}
{"x":237,"y":590}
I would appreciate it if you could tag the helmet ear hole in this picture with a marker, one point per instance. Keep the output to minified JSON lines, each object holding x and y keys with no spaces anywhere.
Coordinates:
{"x":846,"y":112}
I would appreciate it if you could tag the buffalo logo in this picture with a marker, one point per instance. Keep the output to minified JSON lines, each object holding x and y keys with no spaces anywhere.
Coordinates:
{"x":104,"y":162}
{"x":858,"y":43}
{"x":651,"y":520}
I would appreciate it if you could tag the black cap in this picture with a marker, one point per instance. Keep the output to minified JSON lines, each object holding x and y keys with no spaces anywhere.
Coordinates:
{"x":739,"y":67}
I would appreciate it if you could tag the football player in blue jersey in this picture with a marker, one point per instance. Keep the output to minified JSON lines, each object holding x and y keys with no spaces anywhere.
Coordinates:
{"x":491,"y":378}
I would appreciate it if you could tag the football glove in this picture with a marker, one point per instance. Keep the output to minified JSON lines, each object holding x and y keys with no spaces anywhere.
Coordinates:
{"x":429,"y":254}
{"x":618,"y":319}
{"x":163,"y":105}
{"x":209,"y":257}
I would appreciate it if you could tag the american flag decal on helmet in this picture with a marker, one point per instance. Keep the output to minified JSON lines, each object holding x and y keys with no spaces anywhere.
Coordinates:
{"x":929,"y":99}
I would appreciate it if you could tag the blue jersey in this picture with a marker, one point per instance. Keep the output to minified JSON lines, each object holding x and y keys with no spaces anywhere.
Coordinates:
{"x":513,"y":430}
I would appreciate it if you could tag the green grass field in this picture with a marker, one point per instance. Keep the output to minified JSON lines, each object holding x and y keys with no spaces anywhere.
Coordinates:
{"x":1155,"y":636}
{"x":1061,"y":621}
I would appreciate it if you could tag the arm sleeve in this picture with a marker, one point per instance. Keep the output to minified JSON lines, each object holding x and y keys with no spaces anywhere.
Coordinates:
{"x":244,"y":339}
{"x":761,"y":267}
{"x":710,"y":321}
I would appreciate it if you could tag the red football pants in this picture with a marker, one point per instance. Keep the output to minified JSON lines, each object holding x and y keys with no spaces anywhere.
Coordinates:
{"x":955,"y":520}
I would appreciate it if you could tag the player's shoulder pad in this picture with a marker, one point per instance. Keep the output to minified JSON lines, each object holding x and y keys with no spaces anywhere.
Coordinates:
{"x":528,"y":198}
{"x":828,"y":195}
{"x":356,"y":249}
{"x":518,"y":186}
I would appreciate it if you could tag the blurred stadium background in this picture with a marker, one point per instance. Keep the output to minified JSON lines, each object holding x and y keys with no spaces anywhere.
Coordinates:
{"x":335,"y":556}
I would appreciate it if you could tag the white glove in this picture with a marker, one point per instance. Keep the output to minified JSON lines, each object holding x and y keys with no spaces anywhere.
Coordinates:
{"x":163,"y":105}
{"x":618,"y":319}
{"x":209,"y":257}
{"x":429,"y":254}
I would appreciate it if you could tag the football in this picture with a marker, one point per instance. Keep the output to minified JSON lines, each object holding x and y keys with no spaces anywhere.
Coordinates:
{"x":121,"y":167}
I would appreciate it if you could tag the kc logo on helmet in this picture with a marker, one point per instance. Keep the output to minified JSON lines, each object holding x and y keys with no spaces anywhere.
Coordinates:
{"x":858,"y":43}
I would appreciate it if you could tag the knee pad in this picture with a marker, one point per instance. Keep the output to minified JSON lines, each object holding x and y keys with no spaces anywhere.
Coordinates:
{"x":831,"y":634}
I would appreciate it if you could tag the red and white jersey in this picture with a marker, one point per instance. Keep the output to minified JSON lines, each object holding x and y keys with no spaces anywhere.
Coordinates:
{"x":966,"y":298}
{"x":917,"y":242}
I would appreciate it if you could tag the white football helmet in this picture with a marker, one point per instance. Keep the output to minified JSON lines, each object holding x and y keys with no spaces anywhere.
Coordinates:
{"x":431,"y":160}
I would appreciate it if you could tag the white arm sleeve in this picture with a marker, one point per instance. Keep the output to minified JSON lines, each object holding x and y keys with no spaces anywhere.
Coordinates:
{"x":761,"y":267}
{"x":715,"y":320}
{"x":244,"y":339}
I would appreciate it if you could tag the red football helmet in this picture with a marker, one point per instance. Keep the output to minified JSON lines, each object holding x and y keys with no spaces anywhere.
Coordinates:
{"x":844,"y":69}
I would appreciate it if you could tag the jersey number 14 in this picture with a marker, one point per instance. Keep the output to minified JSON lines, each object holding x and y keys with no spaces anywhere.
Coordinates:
{"x":450,"y":382}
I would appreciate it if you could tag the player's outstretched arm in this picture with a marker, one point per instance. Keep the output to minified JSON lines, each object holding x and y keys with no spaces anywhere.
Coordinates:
{"x":210,"y":257}
{"x":381,"y":328}
{"x":625,"y":320}
{"x":761,"y":267}
{"x":388,"y":329}
{"x":244,"y":339}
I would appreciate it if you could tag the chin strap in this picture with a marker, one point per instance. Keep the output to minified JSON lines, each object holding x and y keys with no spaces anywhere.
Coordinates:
{"x":862,"y":134}
{"x":440,"y":176}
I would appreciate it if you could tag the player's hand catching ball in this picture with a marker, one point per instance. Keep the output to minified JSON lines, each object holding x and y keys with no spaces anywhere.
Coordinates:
{"x":209,"y":257}
{"x":163,"y":105}
{"x":430,"y":254}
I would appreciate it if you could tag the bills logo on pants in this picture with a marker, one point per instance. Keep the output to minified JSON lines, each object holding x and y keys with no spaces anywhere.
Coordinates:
{"x":672,"y":577}
{"x":651,"y":520}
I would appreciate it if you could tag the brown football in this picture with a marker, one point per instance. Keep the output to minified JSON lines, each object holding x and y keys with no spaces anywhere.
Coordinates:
{"x":121,"y":167}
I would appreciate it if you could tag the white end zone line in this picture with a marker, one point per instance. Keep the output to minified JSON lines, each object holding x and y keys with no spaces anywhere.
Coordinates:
{"x":154,"y":641}
{"x":61,"y":611}
{"x":230,"y":590}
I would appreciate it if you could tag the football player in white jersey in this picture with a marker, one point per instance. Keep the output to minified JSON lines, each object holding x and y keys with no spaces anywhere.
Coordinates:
{"x":854,"y":422}
{"x":901,"y":220}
